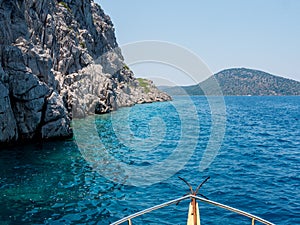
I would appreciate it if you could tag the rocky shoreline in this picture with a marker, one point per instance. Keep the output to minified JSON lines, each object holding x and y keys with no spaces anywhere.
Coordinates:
{"x":60,"y":60}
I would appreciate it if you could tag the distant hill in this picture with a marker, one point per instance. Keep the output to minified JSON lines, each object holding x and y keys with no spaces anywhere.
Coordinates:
{"x":240,"y":81}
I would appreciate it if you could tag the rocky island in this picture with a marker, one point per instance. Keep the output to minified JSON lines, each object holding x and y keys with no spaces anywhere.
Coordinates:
{"x":60,"y":60}
{"x":239,"y":82}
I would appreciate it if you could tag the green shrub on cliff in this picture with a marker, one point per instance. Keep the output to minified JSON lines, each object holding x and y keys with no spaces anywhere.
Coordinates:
{"x":144,"y":84}
{"x":65,"y":5}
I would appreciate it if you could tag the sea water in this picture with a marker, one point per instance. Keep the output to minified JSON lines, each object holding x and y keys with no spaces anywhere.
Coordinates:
{"x":122,"y":162}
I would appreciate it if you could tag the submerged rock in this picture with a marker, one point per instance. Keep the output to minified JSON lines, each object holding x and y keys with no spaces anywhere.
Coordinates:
{"x":59,"y":60}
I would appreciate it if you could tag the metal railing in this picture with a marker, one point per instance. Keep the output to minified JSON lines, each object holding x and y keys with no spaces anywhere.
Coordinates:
{"x":243,"y":213}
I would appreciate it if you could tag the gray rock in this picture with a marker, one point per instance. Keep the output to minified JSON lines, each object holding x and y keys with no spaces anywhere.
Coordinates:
{"x":26,"y":86}
{"x":28,"y":115}
{"x":13,"y":59}
{"x":56,"y":129}
{"x":9,"y":130}
{"x":55,"y":108}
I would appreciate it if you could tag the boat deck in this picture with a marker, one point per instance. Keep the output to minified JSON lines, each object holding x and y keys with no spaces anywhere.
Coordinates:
{"x":252,"y":217}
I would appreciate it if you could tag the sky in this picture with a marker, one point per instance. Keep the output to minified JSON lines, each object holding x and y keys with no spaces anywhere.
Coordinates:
{"x":256,"y":34}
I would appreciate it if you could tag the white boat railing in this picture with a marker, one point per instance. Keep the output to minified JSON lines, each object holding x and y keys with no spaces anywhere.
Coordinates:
{"x":243,"y":213}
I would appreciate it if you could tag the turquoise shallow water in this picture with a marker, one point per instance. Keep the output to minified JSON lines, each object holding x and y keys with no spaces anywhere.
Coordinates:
{"x":257,"y":168}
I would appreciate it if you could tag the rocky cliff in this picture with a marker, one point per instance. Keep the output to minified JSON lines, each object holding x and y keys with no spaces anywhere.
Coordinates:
{"x":59,"y":60}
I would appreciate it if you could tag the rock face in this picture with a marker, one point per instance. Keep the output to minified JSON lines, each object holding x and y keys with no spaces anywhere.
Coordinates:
{"x":59,"y":60}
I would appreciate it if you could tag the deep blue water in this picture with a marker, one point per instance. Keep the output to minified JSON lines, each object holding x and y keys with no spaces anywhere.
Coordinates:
{"x":86,"y":181}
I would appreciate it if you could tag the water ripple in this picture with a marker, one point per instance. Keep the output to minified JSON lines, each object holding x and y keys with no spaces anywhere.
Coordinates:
{"x":257,"y":170}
